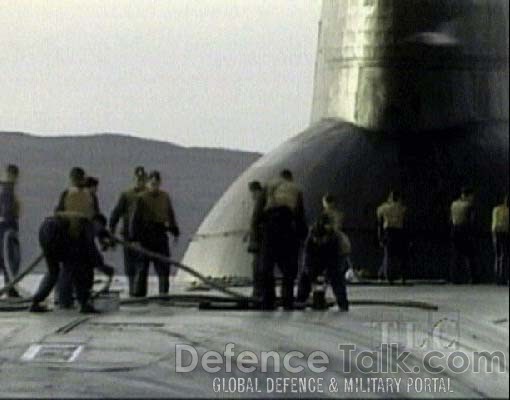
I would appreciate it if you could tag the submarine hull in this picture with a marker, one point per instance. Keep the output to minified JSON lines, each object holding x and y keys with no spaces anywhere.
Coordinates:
{"x":358,"y":166}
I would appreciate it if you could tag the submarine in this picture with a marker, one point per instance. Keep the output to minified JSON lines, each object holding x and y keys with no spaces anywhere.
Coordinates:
{"x":408,"y":94}
{"x":411,"y":93}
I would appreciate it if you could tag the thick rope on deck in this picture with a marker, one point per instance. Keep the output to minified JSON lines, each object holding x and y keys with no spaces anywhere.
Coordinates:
{"x":21,"y":304}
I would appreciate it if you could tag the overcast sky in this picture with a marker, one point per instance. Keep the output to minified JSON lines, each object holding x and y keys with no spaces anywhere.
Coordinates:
{"x":221,"y":73}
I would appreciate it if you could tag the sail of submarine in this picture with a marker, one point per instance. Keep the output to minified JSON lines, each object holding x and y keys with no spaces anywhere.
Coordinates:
{"x":410,"y":94}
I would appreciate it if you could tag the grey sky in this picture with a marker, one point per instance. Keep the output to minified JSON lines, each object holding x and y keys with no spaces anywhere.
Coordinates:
{"x":223,"y":73}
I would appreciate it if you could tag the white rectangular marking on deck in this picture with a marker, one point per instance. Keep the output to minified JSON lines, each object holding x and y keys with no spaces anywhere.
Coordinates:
{"x":58,"y":353}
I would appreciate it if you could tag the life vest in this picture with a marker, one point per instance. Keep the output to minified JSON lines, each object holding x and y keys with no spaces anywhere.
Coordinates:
{"x":78,"y":206}
{"x":156,"y":207}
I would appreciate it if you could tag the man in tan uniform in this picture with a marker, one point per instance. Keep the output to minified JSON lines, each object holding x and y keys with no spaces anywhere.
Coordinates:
{"x":500,"y":240}
{"x":392,"y":227}
{"x":123,"y":210}
{"x":462,"y":219}
{"x":153,"y":217}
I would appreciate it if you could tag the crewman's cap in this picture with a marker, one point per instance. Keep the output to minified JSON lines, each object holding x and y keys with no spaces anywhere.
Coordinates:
{"x":11,"y":173}
{"x":155,"y":175}
{"x":77,"y":174}
{"x":12,"y":170}
{"x":286,"y":174}
{"x":140,"y":172}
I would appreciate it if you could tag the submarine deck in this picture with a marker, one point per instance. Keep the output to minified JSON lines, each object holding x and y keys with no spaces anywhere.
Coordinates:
{"x":132,"y":353}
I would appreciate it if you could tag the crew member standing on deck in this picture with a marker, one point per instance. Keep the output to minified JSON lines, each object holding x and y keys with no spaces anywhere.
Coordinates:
{"x":462,"y":219}
{"x":153,"y":217}
{"x":283,"y":233}
{"x":124,"y":210}
{"x":391,"y":224}
{"x":500,"y":240}
{"x":9,"y":226}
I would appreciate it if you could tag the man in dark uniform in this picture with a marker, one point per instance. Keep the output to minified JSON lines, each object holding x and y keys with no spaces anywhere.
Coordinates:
{"x":254,"y":236}
{"x":124,"y":210}
{"x":462,"y":219}
{"x":393,"y":236}
{"x":500,"y":240}
{"x":55,"y":242}
{"x":9,"y":227}
{"x":153,"y":217}
{"x":284,"y":229}
{"x":323,"y":257}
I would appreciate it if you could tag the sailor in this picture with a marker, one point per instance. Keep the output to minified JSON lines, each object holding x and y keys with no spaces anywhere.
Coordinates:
{"x":9,"y":226}
{"x":78,"y":207}
{"x":500,"y":240}
{"x":462,"y":219}
{"x":153,"y":217}
{"x":124,"y":210}
{"x":330,"y":207}
{"x":284,"y":230}
{"x":392,"y":234}
{"x":254,"y":236}
{"x":55,"y":241}
{"x":324,"y":256}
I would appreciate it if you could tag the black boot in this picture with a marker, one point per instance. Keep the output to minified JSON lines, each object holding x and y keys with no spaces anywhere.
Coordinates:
{"x":38,"y":308}
{"x":140,"y":284}
{"x":13,"y":293}
{"x":89,"y":309}
{"x":131,"y":286}
{"x":164,"y":285}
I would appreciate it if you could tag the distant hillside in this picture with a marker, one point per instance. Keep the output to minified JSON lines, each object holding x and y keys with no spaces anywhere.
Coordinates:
{"x":195,"y":177}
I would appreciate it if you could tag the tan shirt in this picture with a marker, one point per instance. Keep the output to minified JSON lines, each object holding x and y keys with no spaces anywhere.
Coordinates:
{"x":500,"y":219}
{"x":460,"y":212}
{"x":393,"y":214}
{"x":78,"y":203}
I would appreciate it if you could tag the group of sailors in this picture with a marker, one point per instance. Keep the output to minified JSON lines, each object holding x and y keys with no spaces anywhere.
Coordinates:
{"x":394,"y":234}
{"x":279,"y":233}
{"x":279,"y":238}
{"x":70,"y":237}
